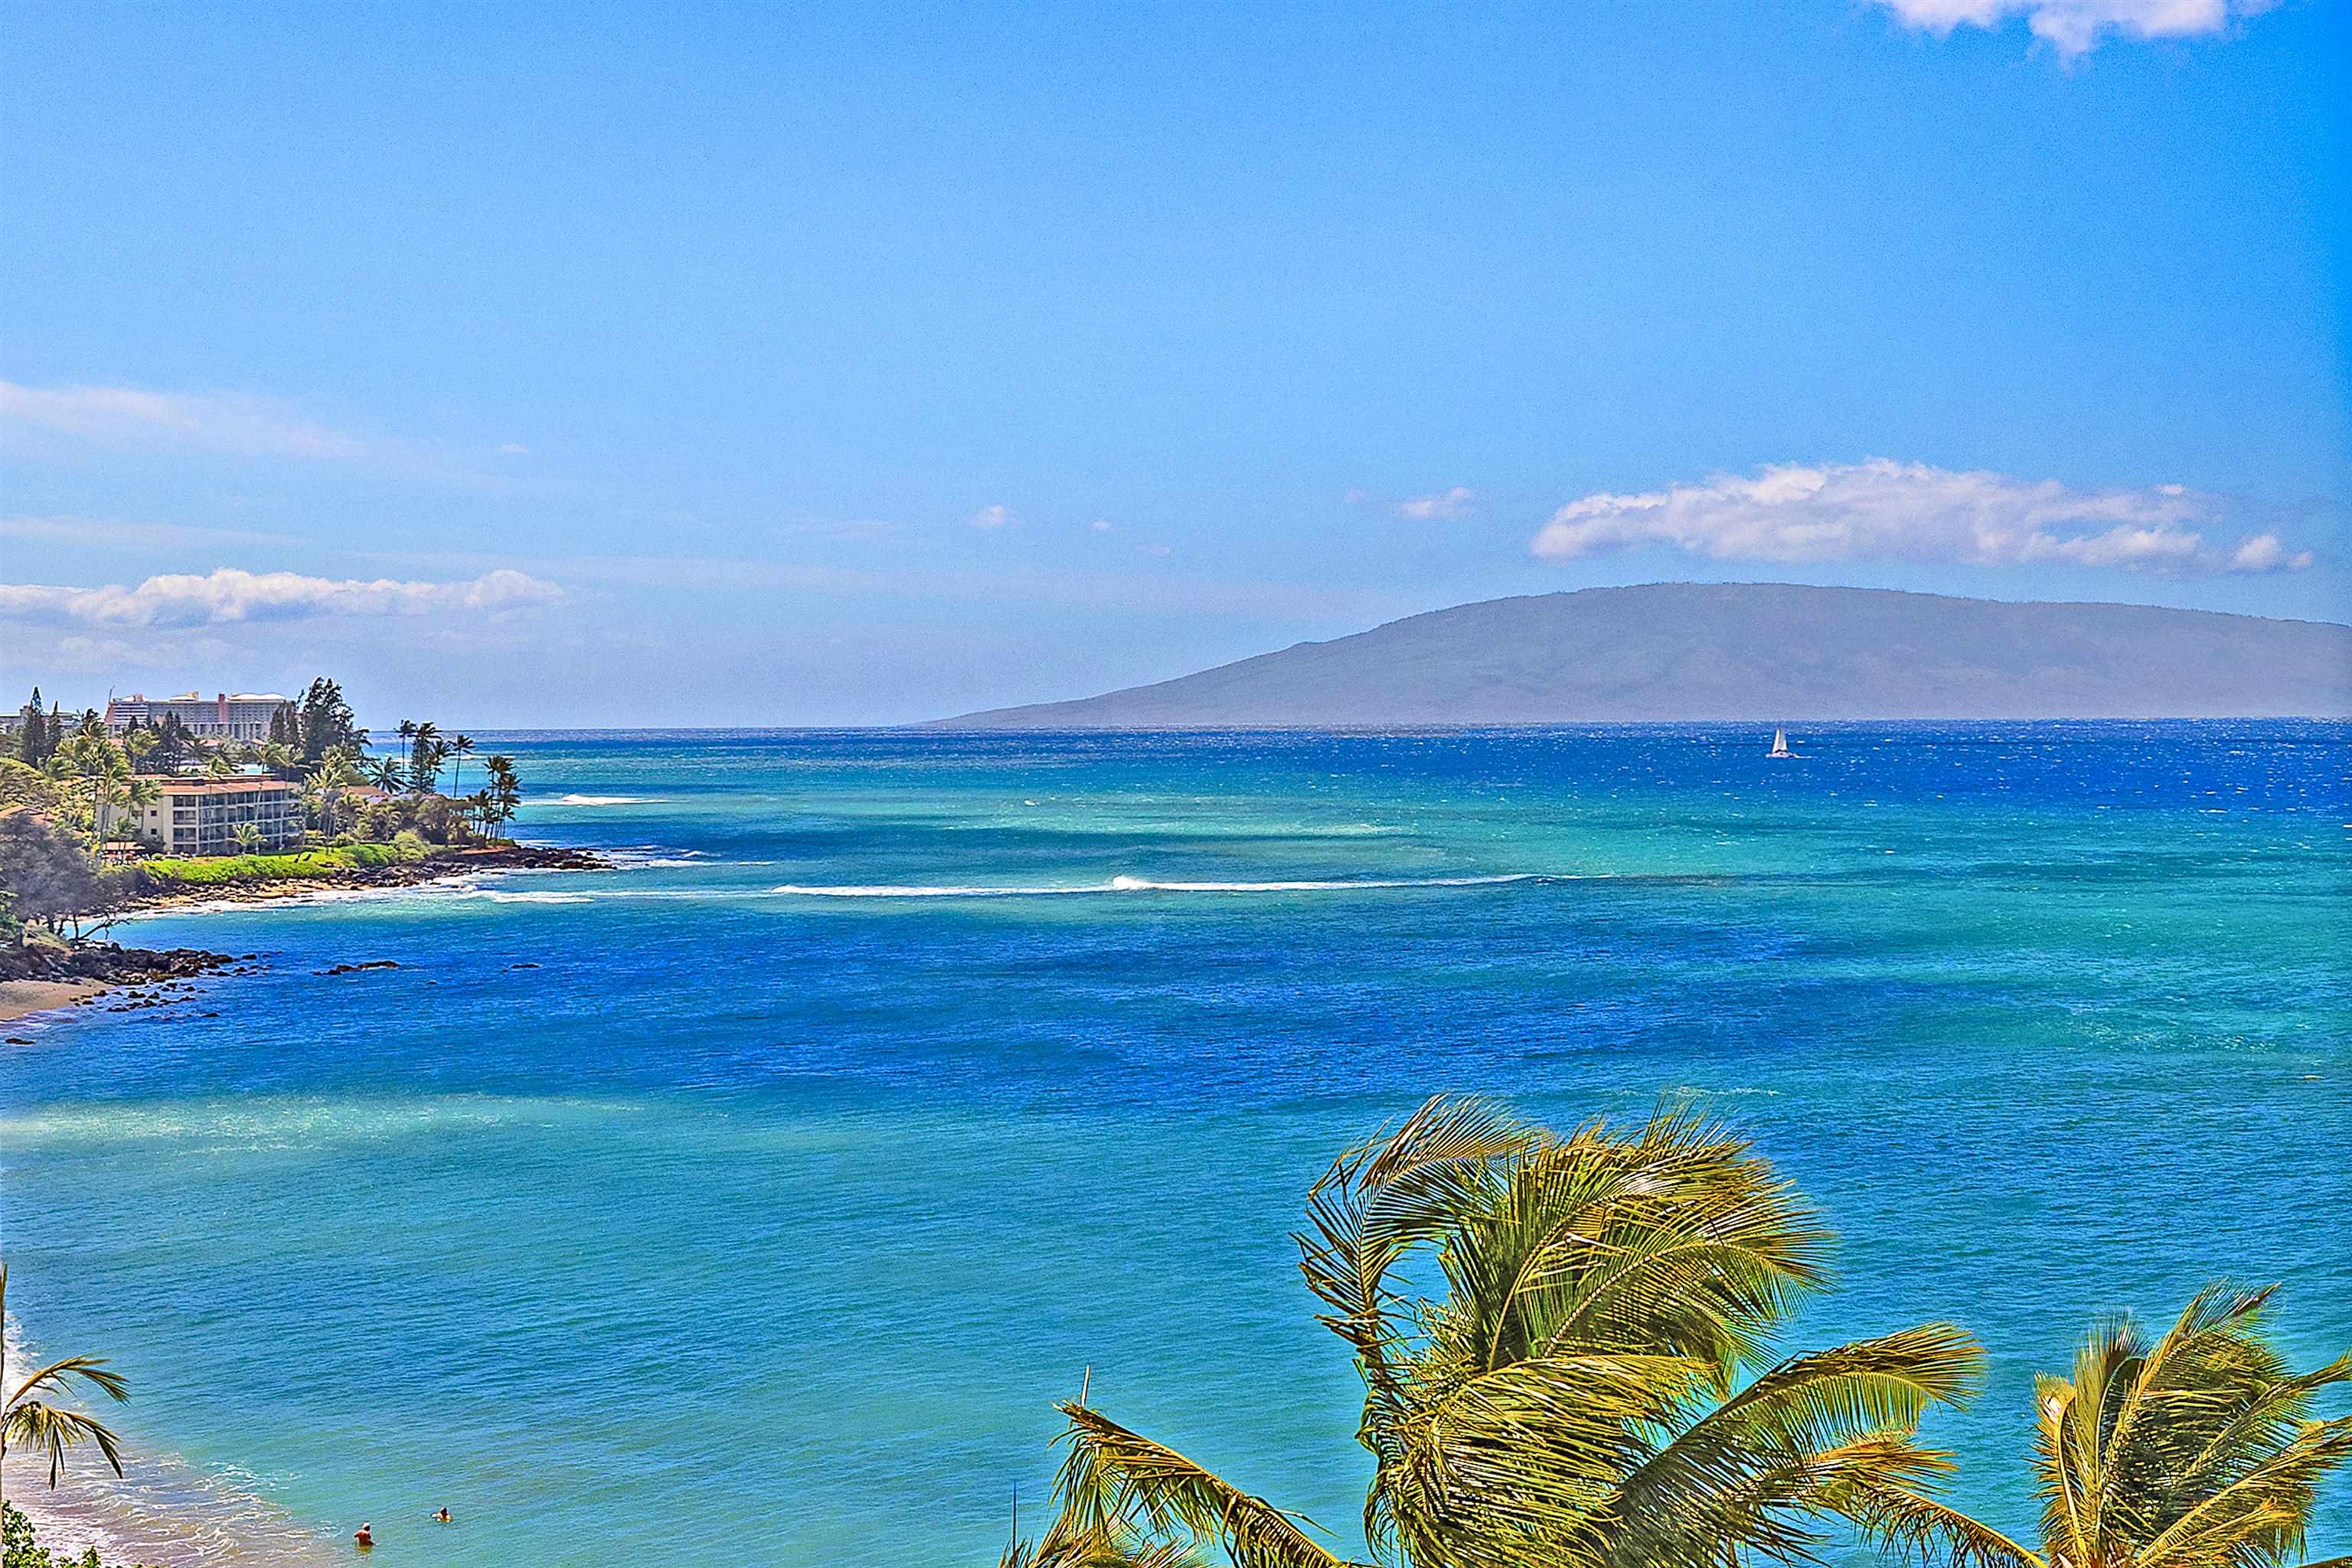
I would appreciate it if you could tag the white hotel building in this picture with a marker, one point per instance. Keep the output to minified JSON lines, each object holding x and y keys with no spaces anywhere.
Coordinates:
{"x":244,"y":717}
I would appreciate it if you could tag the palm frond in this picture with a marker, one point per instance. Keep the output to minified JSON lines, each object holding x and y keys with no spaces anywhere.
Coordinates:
{"x":92,"y":1370}
{"x":1817,"y":1402}
{"x":1382,"y":1198}
{"x":1911,"y":1524}
{"x":2261,"y":1515}
{"x":1516,"y":1461}
{"x":30,"y":1423}
{"x":1114,"y":1476}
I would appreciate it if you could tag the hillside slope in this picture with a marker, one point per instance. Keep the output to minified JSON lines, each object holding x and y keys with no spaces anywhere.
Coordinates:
{"x":1757,"y":651}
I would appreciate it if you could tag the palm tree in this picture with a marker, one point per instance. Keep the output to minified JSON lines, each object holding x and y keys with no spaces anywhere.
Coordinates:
{"x":505,"y":792}
{"x":32,"y":1419}
{"x":1591,"y":1391}
{"x":324,"y":792}
{"x":2197,"y":1451}
{"x":248,"y":838}
{"x":385,"y":773}
{"x":457,"y":747}
{"x":102,"y":761}
{"x":114,"y":786}
{"x":138,"y":794}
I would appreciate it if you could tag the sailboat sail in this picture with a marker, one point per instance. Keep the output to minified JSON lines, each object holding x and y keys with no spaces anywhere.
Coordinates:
{"x":1781,"y":744}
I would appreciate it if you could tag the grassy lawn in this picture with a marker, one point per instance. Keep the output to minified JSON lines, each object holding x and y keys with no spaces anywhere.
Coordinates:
{"x":214,"y":868}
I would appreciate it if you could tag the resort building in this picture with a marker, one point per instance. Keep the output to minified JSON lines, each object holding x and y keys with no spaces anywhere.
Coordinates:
{"x":244,"y":717}
{"x":201,"y":816}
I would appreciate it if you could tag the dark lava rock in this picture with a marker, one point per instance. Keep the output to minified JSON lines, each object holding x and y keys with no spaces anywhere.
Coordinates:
{"x":104,"y":962}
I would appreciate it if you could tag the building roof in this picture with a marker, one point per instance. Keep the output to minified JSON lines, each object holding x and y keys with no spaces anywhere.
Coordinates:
{"x":198,"y":697}
{"x":181,"y":784}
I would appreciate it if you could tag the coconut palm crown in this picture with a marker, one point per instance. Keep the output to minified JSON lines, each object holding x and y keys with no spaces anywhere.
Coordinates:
{"x":1595,"y":1388}
{"x":2196,"y":1450}
{"x":33,"y":1417}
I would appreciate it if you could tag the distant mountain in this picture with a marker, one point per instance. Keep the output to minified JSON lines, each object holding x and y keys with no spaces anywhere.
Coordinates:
{"x":1757,"y":651}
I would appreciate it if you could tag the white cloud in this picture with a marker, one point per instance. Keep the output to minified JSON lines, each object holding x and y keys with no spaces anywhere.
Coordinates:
{"x":996,"y":516}
{"x":1445,"y":505}
{"x":2073,"y":27}
{"x":229,"y":595}
{"x":1100,"y":525}
{"x":514,"y":449}
{"x":2264,"y":552}
{"x":204,"y":421}
{"x":1884,"y":511}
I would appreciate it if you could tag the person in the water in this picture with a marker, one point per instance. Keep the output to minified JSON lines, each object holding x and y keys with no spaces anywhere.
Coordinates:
{"x":365,"y":1536}
{"x":441,"y":1516}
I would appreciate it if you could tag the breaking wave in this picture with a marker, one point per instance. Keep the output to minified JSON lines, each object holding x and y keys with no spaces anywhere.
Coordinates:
{"x":1138,"y":885}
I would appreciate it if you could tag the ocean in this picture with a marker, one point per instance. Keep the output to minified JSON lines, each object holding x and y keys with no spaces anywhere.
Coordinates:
{"x":751,"y":1202}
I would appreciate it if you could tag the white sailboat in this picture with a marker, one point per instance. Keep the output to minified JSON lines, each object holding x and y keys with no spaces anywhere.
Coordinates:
{"x":1781,"y":744}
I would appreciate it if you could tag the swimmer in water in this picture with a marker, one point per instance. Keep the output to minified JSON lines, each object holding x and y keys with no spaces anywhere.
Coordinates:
{"x":441,"y":1516}
{"x":365,"y":1536}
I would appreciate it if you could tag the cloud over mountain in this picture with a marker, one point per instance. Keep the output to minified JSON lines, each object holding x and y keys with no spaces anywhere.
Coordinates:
{"x":1884,"y":511}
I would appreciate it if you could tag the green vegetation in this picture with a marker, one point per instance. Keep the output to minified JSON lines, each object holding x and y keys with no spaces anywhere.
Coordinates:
{"x":34,"y":1418}
{"x":212,"y":869}
{"x":1601,"y":1385}
{"x":2197,"y":1450}
{"x":50,"y":880}
{"x":72,"y":791}
{"x":25,"y":1551}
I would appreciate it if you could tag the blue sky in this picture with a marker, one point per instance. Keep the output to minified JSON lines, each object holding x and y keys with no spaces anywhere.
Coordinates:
{"x":639,"y":365}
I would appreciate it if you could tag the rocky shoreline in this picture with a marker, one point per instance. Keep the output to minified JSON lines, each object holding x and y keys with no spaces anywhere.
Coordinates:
{"x":106,"y":964}
{"x":40,"y":978}
{"x":434,"y":867}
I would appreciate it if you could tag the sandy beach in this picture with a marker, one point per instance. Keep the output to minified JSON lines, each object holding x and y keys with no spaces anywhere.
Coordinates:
{"x":22,"y":998}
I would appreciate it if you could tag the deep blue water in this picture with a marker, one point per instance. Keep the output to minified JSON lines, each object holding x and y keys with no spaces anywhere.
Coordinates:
{"x":897,"y":1080}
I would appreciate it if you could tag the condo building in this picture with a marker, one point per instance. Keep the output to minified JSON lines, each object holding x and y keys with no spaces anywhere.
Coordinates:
{"x":201,"y":816}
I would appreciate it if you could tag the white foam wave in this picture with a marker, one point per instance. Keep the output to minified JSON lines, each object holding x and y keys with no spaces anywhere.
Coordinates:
{"x":1144,"y":885}
{"x":500,"y":896}
{"x":162,"y":1509}
{"x":1136,"y":884}
{"x":603,"y":799}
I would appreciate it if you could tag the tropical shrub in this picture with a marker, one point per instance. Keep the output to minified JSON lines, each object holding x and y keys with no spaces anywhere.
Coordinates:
{"x":25,"y":1551}
{"x":212,"y":870}
{"x":47,"y":876}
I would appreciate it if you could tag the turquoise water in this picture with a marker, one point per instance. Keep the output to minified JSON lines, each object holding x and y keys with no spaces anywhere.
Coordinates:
{"x":881,"y":1094}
